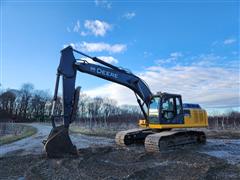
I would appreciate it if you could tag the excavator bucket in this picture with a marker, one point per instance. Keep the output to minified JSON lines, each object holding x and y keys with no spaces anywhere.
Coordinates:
{"x":58,"y":143}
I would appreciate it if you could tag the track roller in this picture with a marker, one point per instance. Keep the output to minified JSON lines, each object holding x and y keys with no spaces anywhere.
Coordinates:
{"x":132,"y":136}
{"x":172,"y":139}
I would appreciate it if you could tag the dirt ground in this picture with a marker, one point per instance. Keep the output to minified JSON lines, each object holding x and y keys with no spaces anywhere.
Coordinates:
{"x":217,"y":159}
{"x":111,"y":162}
{"x":223,"y":134}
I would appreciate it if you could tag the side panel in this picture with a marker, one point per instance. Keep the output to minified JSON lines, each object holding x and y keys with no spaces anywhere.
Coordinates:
{"x":196,"y":118}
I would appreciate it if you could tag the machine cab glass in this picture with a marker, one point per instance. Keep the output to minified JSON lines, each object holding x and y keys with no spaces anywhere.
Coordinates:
{"x":154,"y":111}
{"x":166,"y":110}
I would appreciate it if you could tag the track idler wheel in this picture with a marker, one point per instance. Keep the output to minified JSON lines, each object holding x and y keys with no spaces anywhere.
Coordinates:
{"x":59,"y":144}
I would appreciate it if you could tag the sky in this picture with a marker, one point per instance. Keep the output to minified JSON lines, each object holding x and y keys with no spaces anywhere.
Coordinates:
{"x":185,"y":47}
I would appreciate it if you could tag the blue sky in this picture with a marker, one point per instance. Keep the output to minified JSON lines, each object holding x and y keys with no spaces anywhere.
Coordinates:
{"x":187,"y":48}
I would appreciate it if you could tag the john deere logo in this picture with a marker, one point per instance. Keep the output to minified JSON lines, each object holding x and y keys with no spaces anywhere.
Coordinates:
{"x":106,"y":73}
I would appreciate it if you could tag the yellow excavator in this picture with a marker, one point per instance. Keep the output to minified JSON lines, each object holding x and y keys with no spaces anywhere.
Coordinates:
{"x":165,"y":116}
{"x":164,"y":128}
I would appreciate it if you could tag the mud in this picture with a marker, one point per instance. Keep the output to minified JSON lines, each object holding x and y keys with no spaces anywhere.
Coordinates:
{"x":33,"y":145}
{"x":100,"y":158}
{"x":112,"y":162}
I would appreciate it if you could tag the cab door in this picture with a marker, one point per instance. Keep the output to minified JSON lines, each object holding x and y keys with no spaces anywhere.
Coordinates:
{"x":171,"y":111}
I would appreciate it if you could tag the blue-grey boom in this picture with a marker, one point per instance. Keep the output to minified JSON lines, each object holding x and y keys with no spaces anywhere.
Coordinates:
{"x":69,"y":65}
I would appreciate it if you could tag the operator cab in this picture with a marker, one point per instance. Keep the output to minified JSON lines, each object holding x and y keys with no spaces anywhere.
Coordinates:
{"x":166,"y":108}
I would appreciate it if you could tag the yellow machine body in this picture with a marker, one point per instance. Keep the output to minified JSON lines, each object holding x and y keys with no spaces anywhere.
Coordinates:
{"x":193,"y":118}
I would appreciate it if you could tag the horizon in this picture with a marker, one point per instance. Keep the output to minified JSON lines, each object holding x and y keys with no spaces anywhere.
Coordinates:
{"x":210,"y":111}
{"x":185,"y":48}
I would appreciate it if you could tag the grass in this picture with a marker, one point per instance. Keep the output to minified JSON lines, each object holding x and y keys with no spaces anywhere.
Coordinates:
{"x":102,"y":132}
{"x":27,"y":131}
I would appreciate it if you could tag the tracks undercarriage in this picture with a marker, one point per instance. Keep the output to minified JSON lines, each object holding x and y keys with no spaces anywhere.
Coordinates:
{"x":132,"y":136}
{"x":159,"y":141}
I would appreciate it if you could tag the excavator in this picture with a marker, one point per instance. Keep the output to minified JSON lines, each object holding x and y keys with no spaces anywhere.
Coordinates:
{"x":166,"y":118}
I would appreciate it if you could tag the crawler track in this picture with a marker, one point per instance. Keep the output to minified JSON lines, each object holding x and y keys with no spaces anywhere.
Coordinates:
{"x":172,"y":139}
{"x":159,"y":141}
{"x":132,"y":136}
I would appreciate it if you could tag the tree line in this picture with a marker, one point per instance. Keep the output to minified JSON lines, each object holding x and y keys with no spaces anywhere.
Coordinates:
{"x":28,"y":104}
{"x":230,"y":120}
{"x":25,"y":104}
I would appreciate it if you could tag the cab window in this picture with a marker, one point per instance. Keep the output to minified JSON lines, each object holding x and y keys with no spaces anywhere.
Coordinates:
{"x":178,"y":106}
{"x":171,"y":110}
{"x":168,"y":105}
{"x":154,"y":104}
{"x":154,"y":110}
{"x":168,"y":108}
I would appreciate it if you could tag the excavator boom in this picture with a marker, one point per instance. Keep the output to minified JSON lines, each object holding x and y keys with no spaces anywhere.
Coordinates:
{"x":69,"y":65}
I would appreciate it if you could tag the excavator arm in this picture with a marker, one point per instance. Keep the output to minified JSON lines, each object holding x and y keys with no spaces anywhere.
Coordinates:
{"x":59,"y":141}
{"x":69,"y":65}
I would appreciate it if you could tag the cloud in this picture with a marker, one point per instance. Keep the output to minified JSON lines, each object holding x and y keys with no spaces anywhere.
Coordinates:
{"x":108,"y":59}
{"x":82,"y":33}
{"x":99,"y":47}
{"x":103,"y":3}
{"x":76,"y":27}
{"x":210,"y":86}
{"x":147,"y":54}
{"x":222,"y":43}
{"x":129,"y":15}
{"x":112,"y":91}
{"x":97,"y":27}
{"x":208,"y":60}
{"x":91,"y":27}
{"x":176,"y":55}
{"x":229,"y":41}
{"x":172,"y":57}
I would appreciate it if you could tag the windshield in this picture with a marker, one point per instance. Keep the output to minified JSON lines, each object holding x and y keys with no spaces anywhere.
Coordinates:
{"x":153,"y":110}
{"x":154,"y":105}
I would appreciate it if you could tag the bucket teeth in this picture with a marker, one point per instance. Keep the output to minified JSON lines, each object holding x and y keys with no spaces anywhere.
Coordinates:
{"x":59,"y":144}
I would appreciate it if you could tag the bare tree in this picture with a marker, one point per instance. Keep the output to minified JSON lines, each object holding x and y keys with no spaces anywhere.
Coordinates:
{"x":83,"y":108}
{"x":38,"y":104}
{"x":98,"y":101}
{"x":90,"y":106}
{"x":7,"y":100}
{"x":108,"y":107}
{"x":26,"y":94}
